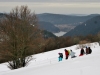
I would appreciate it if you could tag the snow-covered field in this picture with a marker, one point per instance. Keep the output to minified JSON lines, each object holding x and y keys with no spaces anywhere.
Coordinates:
{"x":47,"y":64}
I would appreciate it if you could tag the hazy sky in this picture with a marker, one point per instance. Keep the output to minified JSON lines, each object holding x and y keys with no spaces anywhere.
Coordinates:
{"x":51,"y":0}
{"x":54,"y":6}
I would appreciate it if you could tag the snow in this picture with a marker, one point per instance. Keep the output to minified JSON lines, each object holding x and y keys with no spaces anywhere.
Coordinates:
{"x":61,"y":33}
{"x":47,"y":63}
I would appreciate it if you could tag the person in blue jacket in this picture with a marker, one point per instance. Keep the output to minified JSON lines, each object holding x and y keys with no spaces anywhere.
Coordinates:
{"x":60,"y":56}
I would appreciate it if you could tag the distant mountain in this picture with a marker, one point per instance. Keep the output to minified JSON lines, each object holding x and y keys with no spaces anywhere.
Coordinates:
{"x":78,"y":14}
{"x":47,"y":34}
{"x":57,"y":22}
{"x":57,"y":19}
{"x":91,"y":26}
{"x":2,"y":15}
{"x":64,"y":23}
{"x":48,"y":26}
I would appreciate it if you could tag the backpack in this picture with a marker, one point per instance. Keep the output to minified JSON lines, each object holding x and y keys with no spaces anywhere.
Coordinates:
{"x":68,"y":52}
{"x":90,"y":51}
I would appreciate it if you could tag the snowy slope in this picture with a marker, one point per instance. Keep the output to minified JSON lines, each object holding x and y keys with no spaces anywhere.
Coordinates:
{"x":47,"y":64}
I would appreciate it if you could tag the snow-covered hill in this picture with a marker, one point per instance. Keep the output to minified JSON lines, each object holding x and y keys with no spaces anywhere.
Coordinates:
{"x":47,"y":64}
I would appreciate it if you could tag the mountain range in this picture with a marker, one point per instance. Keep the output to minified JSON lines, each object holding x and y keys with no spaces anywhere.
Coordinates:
{"x":58,"y":19}
{"x":71,"y":24}
{"x":64,"y":22}
{"x":91,"y":26}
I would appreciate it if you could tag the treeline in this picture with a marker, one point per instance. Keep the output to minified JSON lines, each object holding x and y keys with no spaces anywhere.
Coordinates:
{"x":61,"y":42}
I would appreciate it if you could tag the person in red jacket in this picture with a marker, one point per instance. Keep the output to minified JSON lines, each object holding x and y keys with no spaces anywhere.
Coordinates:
{"x":82,"y":52}
{"x":66,"y":54}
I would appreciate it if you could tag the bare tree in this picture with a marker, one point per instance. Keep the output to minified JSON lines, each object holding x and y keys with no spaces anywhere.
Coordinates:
{"x":19,"y":36}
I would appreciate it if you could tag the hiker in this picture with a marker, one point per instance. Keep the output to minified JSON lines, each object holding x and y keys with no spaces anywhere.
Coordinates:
{"x":68,"y":51}
{"x":60,"y":56}
{"x":90,"y":50}
{"x":87,"y":50}
{"x":66,"y":54}
{"x":72,"y":54}
{"x":82,"y":52}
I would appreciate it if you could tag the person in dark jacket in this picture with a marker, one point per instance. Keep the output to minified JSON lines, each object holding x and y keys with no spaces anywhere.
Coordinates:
{"x":66,"y":54}
{"x":90,"y":50}
{"x":87,"y":50}
{"x":82,"y":52}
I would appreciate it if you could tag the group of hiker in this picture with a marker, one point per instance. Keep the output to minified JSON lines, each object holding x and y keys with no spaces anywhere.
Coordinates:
{"x":87,"y":51}
{"x":68,"y":53}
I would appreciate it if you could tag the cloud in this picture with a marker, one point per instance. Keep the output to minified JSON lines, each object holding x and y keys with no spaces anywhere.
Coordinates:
{"x":49,"y":0}
{"x":58,"y":7}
